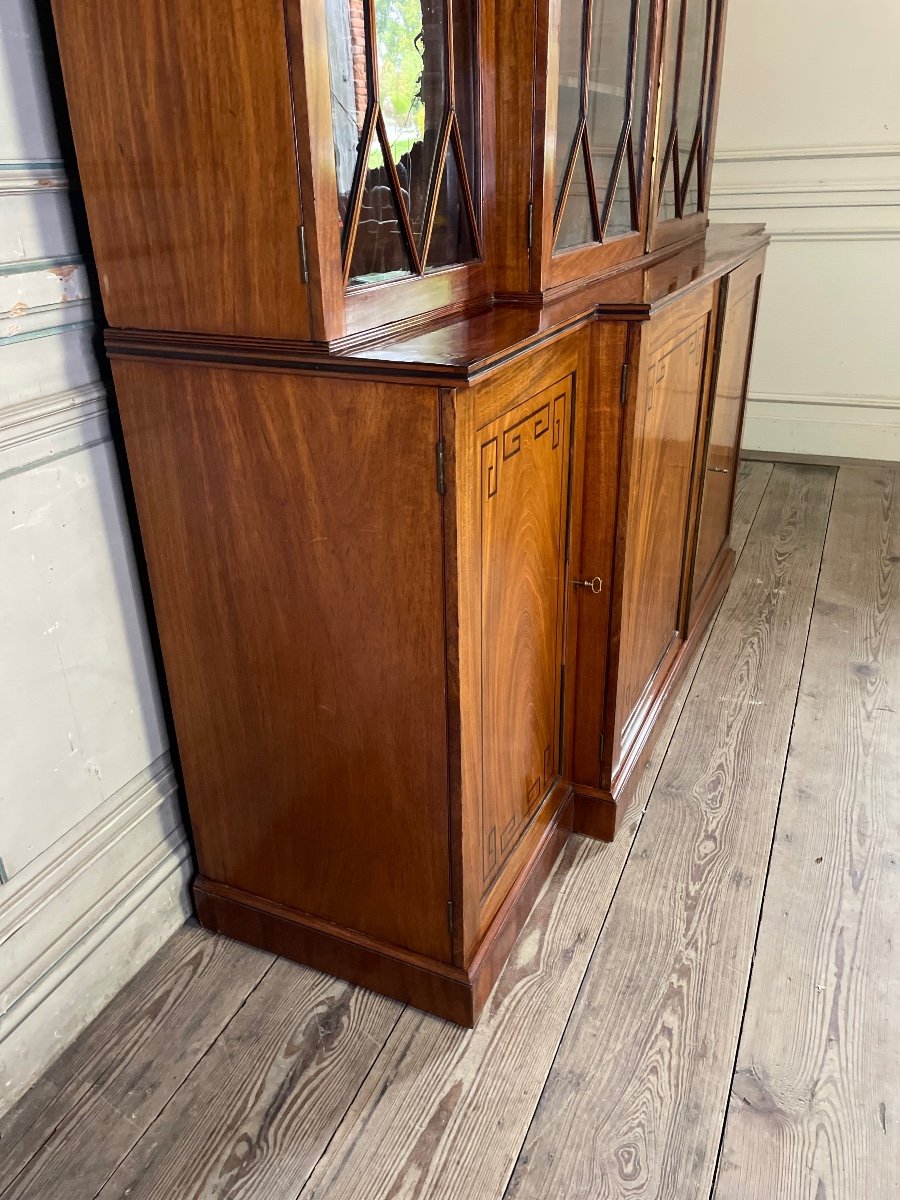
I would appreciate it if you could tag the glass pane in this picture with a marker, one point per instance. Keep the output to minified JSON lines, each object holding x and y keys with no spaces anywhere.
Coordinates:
{"x":391,"y":58}
{"x":667,"y":210}
{"x":641,"y":101}
{"x":577,"y":225}
{"x":667,"y":114}
{"x":451,"y":237}
{"x":620,"y":216}
{"x":412,"y":88}
{"x":349,"y":92}
{"x":571,"y":58}
{"x":379,"y":251}
{"x":693,"y":61}
{"x":608,"y":78}
{"x":464,"y":95}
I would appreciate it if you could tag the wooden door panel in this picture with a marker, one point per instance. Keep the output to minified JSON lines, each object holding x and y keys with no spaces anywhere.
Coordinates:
{"x":523,"y":461}
{"x":725,"y":426}
{"x":663,"y":456}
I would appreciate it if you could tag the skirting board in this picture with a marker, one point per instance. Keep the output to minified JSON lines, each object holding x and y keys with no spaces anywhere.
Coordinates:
{"x":820,"y":429}
{"x":82,"y":919}
{"x":814,"y":460}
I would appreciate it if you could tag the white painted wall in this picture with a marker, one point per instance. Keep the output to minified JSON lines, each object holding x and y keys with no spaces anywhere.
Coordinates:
{"x":90,"y":835}
{"x":809,"y":142}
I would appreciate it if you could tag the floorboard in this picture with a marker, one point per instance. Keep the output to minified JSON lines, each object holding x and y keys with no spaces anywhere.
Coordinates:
{"x":254,"y":1117}
{"x":815,"y":1107}
{"x":444,"y":1111}
{"x":603,"y":1063}
{"x":636,"y":1098}
{"x":751,"y":486}
{"x":66,"y":1136}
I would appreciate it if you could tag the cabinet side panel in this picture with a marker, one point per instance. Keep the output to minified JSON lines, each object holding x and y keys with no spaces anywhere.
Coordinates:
{"x":293,"y":532}
{"x":183,"y":127}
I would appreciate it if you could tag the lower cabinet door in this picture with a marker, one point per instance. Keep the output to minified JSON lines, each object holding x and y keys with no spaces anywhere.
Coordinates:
{"x":524,"y":472}
{"x":730,"y":374}
{"x":660,"y":490}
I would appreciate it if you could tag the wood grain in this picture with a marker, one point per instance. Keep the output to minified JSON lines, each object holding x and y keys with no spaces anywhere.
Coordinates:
{"x":634,"y":1103}
{"x":523,"y":472}
{"x":256,"y":1114}
{"x":752,"y":482}
{"x":816,"y":1096}
{"x":183,"y":127}
{"x":69,"y":1133}
{"x":292,"y":528}
{"x":667,"y":407}
{"x":511,"y":586}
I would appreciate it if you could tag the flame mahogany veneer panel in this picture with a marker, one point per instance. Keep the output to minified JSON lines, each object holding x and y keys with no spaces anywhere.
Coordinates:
{"x":293,"y":534}
{"x":185,"y":139}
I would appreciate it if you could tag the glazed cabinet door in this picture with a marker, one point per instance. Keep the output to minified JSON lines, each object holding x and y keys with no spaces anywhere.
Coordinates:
{"x":592,"y":137}
{"x":515,"y":439}
{"x":691,"y":63}
{"x":668,"y":402}
{"x":395,"y":172}
{"x":737,"y":318}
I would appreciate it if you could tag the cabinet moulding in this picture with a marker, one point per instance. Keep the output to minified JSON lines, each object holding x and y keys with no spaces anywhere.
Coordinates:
{"x":888,"y":403}
{"x":799,"y":153}
{"x":24,"y":176}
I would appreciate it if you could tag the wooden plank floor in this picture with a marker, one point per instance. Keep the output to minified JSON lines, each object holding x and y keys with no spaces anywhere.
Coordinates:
{"x":706,"y":1008}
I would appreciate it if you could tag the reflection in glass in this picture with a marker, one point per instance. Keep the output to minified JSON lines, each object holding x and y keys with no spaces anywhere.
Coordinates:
{"x":667,"y":206}
{"x":380,"y":250}
{"x":621,"y":216}
{"x":606,"y":97}
{"x":577,"y":225}
{"x":608,"y":78}
{"x":685,"y":87}
{"x":412,"y":88}
{"x":690,"y":92}
{"x":569,"y":89}
{"x":390,"y":91}
{"x":640,"y":105}
{"x":349,"y":95}
{"x":464,"y":103}
{"x":451,"y":237}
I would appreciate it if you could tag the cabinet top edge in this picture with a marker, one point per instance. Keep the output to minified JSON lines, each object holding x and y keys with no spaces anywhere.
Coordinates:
{"x":463,"y":349}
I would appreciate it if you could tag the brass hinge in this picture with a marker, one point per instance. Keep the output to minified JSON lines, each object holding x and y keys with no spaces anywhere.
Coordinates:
{"x":301,"y":239}
{"x":530,"y":220}
{"x":623,"y":386}
{"x":450,"y":916}
{"x":439,"y":456}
